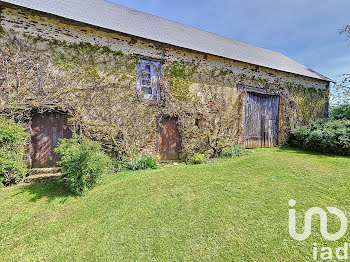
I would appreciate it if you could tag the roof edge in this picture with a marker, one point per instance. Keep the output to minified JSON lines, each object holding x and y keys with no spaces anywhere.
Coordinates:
{"x":321,"y":78}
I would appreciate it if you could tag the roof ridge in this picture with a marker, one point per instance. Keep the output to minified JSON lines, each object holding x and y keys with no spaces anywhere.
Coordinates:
{"x":193,"y":27}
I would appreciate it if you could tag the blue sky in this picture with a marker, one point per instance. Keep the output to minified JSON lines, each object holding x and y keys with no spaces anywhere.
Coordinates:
{"x":305,"y":30}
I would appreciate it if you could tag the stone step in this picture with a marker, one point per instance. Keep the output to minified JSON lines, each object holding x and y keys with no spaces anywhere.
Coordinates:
{"x":51,"y":170}
{"x":43,"y":178}
{"x":43,"y":175}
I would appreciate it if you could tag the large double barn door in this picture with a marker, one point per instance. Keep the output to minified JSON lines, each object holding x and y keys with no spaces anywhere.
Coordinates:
{"x":260,"y":120}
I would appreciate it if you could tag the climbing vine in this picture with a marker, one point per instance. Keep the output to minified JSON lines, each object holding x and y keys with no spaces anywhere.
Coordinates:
{"x":180,"y":76}
{"x":93,"y":84}
{"x":96,"y":86}
{"x":310,"y":103}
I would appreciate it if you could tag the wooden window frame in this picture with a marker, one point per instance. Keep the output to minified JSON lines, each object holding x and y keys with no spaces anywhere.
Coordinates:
{"x":148,"y":77}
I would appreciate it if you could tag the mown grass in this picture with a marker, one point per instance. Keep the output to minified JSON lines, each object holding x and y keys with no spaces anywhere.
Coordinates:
{"x":226,"y":210}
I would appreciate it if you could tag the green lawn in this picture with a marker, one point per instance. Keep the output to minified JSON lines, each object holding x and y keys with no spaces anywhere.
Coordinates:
{"x":226,"y":210}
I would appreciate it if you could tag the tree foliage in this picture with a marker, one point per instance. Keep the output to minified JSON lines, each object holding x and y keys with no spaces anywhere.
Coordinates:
{"x":323,"y":136}
{"x":341,"y":92}
{"x":340,"y":112}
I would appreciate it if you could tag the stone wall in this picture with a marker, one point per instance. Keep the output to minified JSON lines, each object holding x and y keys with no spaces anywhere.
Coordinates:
{"x":213,"y":86}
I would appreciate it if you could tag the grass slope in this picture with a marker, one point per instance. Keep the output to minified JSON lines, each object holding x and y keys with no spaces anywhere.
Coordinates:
{"x":227,"y":210}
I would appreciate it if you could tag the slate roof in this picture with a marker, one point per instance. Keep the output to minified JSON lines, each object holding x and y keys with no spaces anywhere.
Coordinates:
{"x":122,"y":19}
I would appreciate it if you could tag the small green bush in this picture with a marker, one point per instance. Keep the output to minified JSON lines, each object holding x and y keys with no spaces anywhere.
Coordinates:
{"x":340,"y":112}
{"x":137,"y":162}
{"x":83,"y":162}
{"x":195,"y":159}
{"x":232,"y":151}
{"x":323,"y":136}
{"x":13,"y":142}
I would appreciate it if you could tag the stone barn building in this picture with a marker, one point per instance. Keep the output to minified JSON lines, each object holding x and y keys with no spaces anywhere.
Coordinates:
{"x":138,"y":82}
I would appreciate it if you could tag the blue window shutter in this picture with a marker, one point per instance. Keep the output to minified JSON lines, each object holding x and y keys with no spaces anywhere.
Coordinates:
{"x":148,"y":80}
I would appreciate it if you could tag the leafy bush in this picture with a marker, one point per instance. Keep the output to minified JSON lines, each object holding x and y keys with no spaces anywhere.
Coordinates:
{"x":83,"y":162}
{"x":232,"y":151}
{"x":323,"y":136}
{"x":137,"y":162}
{"x":195,"y":159}
{"x":13,"y":141}
{"x":340,"y":112}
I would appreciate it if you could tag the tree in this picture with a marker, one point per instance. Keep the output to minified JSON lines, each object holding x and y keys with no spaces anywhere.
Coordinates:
{"x":341,"y":94}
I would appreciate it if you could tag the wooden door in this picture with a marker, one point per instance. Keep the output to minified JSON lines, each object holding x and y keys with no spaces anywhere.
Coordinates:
{"x":260,"y":120}
{"x":169,"y":140}
{"x":46,"y":130}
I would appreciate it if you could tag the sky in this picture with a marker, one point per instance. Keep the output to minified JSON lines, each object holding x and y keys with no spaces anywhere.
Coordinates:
{"x":304,"y":30}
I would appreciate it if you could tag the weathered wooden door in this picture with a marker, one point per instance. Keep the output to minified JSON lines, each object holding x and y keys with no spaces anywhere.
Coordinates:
{"x":169,"y":139}
{"x":260,"y":120}
{"x":46,"y":130}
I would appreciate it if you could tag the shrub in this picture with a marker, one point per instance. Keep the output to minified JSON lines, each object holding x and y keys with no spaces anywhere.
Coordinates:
{"x":340,"y":112}
{"x":83,"y":162}
{"x":232,"y":151}
{"x":13,"y":142}
{"x":195,"y":159}
{"x":323,"y":136}
{"x":137,"y":162}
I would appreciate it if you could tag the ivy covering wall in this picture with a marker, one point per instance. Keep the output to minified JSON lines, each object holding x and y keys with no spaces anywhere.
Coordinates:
{"x":96,"y":86}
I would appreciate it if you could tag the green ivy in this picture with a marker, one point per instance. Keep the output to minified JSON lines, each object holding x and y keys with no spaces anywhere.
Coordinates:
{"x":181,"y":78}
{"x":2,"y":31}
{"x":306,"y":98}
{"x":69,"y":55}
{"x":221,"y":73}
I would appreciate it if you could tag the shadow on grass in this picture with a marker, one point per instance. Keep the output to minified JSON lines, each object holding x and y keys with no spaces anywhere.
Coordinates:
{"x":50,"y":191}
{"x":310,"y":153}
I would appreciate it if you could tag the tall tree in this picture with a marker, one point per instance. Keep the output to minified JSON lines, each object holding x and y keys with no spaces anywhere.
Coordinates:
{"x":341,"y":94}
